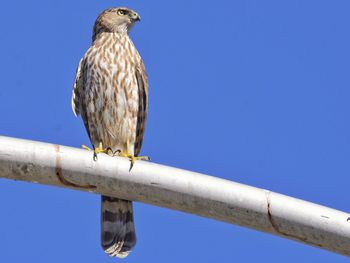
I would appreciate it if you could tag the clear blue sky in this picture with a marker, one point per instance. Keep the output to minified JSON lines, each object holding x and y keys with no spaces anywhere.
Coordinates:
{"x":252,"y":91}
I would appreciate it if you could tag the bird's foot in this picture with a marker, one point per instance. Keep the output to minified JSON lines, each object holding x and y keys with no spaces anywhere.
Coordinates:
{"x":133,"y":158}
{"x":98,"y":150}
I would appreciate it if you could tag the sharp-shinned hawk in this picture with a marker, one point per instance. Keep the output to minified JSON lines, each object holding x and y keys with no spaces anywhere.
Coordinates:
{"x":110,"y":93}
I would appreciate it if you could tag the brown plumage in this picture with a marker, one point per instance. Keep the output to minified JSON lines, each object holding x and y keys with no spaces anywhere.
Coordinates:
{"x":110,"y":93}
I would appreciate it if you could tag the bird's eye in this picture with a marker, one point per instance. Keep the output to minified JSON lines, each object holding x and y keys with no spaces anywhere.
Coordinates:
{"x":121,"y":12}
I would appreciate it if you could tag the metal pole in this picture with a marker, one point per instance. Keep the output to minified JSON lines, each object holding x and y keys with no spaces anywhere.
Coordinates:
{"x":178,"y":189}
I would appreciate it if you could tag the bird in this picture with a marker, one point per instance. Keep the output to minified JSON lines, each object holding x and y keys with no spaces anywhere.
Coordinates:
{"x":110,"y":92}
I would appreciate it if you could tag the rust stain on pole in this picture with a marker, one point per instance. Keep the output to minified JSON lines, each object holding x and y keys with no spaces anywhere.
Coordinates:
{"x":58,"y":169}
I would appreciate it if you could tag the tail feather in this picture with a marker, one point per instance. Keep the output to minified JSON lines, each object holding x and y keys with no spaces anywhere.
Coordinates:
{"x":118,"y":235}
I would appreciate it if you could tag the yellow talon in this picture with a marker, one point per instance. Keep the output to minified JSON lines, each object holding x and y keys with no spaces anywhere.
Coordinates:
{"x":126,"y":154}
{"x":97,"y":150}
{"x":131,"y":157}
{"x":86,"y":148}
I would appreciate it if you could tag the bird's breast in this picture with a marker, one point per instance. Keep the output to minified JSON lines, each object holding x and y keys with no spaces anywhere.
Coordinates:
{"x":112,"y":90}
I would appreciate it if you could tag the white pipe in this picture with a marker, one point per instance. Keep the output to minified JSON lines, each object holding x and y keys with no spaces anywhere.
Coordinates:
{"x":178,"y":189}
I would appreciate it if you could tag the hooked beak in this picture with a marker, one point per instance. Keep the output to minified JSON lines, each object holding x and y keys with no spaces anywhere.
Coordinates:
{"x":135,"y":17}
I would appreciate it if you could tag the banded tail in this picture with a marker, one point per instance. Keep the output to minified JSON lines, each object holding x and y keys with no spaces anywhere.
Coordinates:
{"x":118,"y":234}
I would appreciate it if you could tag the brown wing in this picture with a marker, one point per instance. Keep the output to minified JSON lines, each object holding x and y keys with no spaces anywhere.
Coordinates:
{"x":142,"y":83}
{"x":78,"y":84}
{"x":78,"y":103}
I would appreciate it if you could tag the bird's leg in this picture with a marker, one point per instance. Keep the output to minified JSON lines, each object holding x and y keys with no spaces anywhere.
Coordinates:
{"x":97,"y":150}
{"x":131,"y":157}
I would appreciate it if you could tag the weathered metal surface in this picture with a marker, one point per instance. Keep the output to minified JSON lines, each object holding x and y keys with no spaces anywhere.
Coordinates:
{"x":178,"y":189}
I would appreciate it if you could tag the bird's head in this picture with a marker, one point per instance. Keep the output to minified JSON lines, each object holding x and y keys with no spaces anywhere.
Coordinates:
{"x":116,"y":20}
